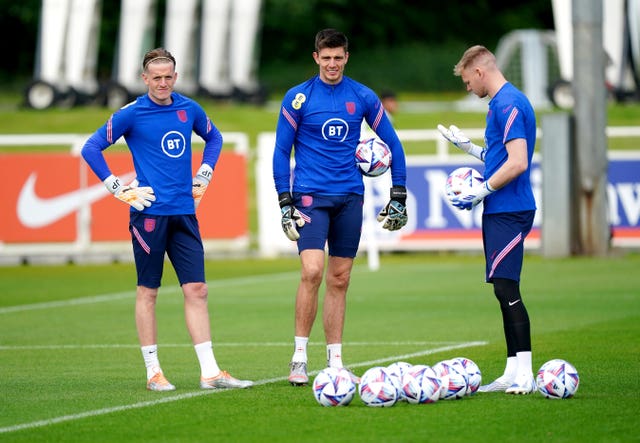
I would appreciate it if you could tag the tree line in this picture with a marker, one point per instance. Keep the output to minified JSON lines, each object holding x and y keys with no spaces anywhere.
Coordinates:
{"x":288,"y":27}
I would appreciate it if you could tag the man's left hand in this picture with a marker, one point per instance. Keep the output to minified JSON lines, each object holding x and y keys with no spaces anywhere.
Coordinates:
{"x":470,"y":198}
{"x":201,"y":182}
{"x":394,"y":214}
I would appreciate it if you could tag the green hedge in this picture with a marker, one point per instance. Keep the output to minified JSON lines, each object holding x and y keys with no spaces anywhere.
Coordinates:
{"x":411,"y":68}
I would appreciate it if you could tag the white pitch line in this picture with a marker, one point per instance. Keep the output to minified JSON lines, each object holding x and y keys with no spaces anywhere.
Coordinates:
{"x":187,"y":395}
{"x":65,"y":303}
{"x":223,"y":283}
{"x":216,"y":345}
{"x":420,"y":353}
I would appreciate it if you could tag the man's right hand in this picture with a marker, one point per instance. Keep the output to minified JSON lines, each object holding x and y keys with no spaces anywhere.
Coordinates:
{"x":290,"y":217}
{"x":131,"y":194}
{"x":461,"y":141}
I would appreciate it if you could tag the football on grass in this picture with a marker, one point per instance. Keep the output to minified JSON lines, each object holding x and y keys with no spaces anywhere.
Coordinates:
{"x":377,"y":388}
{"x":373,"y":157}
{"x":397,"y":371}
{"x":557,"y":379}
{"x":333,"y":387}
{"x":474,"y":375}
{"x":452,"y":379}
{"x":421,"y":385}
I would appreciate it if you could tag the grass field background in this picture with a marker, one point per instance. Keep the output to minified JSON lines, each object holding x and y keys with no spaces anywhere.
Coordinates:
{"x":71,"y":369}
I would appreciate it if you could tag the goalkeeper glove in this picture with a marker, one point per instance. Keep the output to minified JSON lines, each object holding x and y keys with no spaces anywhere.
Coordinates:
{"x":200,"y":182}
{"x":131,"y":194}
{"x":457,"y":137}
{"x":470,"y":198}
{"x":290,"y":216}
{"x":394,"y":214}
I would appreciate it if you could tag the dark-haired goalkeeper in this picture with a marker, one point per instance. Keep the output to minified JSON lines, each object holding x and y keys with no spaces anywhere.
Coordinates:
{"x":320,"y":120}
{"x":509,"y":205}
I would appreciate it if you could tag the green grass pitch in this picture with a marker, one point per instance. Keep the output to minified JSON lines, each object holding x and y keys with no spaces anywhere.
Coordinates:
{"x":71,"y":369}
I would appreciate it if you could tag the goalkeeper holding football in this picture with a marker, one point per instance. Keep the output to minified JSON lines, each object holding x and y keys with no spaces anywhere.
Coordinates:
{"x":509,"y":206}
{"x":322,"y":118}
{"x":157,"y":127}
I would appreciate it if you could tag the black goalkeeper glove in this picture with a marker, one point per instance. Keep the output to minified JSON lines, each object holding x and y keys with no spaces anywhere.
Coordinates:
{"x":394,"y":214}
{"x":290,"y":216}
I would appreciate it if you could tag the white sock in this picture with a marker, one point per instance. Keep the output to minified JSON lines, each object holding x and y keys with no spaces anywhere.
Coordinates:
{"x":300,"y":352}
{"x":151,"y":362}
{"x":511,"y":370}
{"x":208,"y":365}
{"x":524,"y":364}
{"x":334,"y":355}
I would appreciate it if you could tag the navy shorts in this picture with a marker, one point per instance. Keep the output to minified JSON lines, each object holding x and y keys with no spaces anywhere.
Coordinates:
{"x":178,"y":236}
{"x":503,"y":238}
{"x":334,"y":220}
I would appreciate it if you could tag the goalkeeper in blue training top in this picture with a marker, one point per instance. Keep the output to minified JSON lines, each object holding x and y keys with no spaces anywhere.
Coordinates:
{"x":509,"y":206}
{"x":157,"y":127}
{"x":320,"y":121}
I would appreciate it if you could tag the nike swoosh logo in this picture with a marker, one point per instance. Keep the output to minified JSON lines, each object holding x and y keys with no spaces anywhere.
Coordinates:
{"x":36,"y":212}
{"x":511,"y":303}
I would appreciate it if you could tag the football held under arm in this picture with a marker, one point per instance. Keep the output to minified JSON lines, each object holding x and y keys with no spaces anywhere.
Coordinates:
{"x":388,"y":134}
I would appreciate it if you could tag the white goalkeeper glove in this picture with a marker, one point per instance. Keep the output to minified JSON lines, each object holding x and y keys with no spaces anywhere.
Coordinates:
{"x":200,"y":182}
{"x":394,"y":214}
{"x":461,"y":141}
{"x":290,"y":217}
{"x":469,"y":199}
{"x":131,"y":194}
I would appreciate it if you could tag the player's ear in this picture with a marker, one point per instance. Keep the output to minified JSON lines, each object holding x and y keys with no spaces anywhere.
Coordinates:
{"x":316,"y":57}
{"x":346,"y":57}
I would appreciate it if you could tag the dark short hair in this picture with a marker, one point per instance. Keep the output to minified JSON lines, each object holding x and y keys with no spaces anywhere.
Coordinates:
{"x":331,"y":38}
{"x":387,"y":94}
{"x":157,"y":54}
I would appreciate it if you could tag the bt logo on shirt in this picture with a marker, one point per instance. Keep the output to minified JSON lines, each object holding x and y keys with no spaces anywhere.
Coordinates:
{"x":173,"y":144}
{"x":335,"y":129}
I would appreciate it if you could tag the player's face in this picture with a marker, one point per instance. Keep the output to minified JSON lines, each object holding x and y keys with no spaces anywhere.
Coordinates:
{"x":160,"y":78}
{"x":472,"y":78}
{"x":331,"y":62}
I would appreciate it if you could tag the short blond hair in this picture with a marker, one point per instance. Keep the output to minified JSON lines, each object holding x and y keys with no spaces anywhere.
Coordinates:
{"x":475,"y":55}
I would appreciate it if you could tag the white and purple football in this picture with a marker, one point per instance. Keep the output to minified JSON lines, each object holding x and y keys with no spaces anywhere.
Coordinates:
{"x":377,"y":388}
{"x":373,"y":157}
{"x":557,"y":379}
{"x":461,"y":180}
{"x":421,"y":385}
{"x":333,"y":387}
{"x":454,"y":384}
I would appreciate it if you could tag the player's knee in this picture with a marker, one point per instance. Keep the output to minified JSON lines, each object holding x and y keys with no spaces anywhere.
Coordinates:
{"x":312,"y":275}
{"x":196,"y":290}
{"x":339,"y":281}
{"x":505,"y":290}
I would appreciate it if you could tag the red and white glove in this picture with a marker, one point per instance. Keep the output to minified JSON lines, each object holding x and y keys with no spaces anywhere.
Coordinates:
{"x":131,"y":194}
{"x":201,"y":182}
